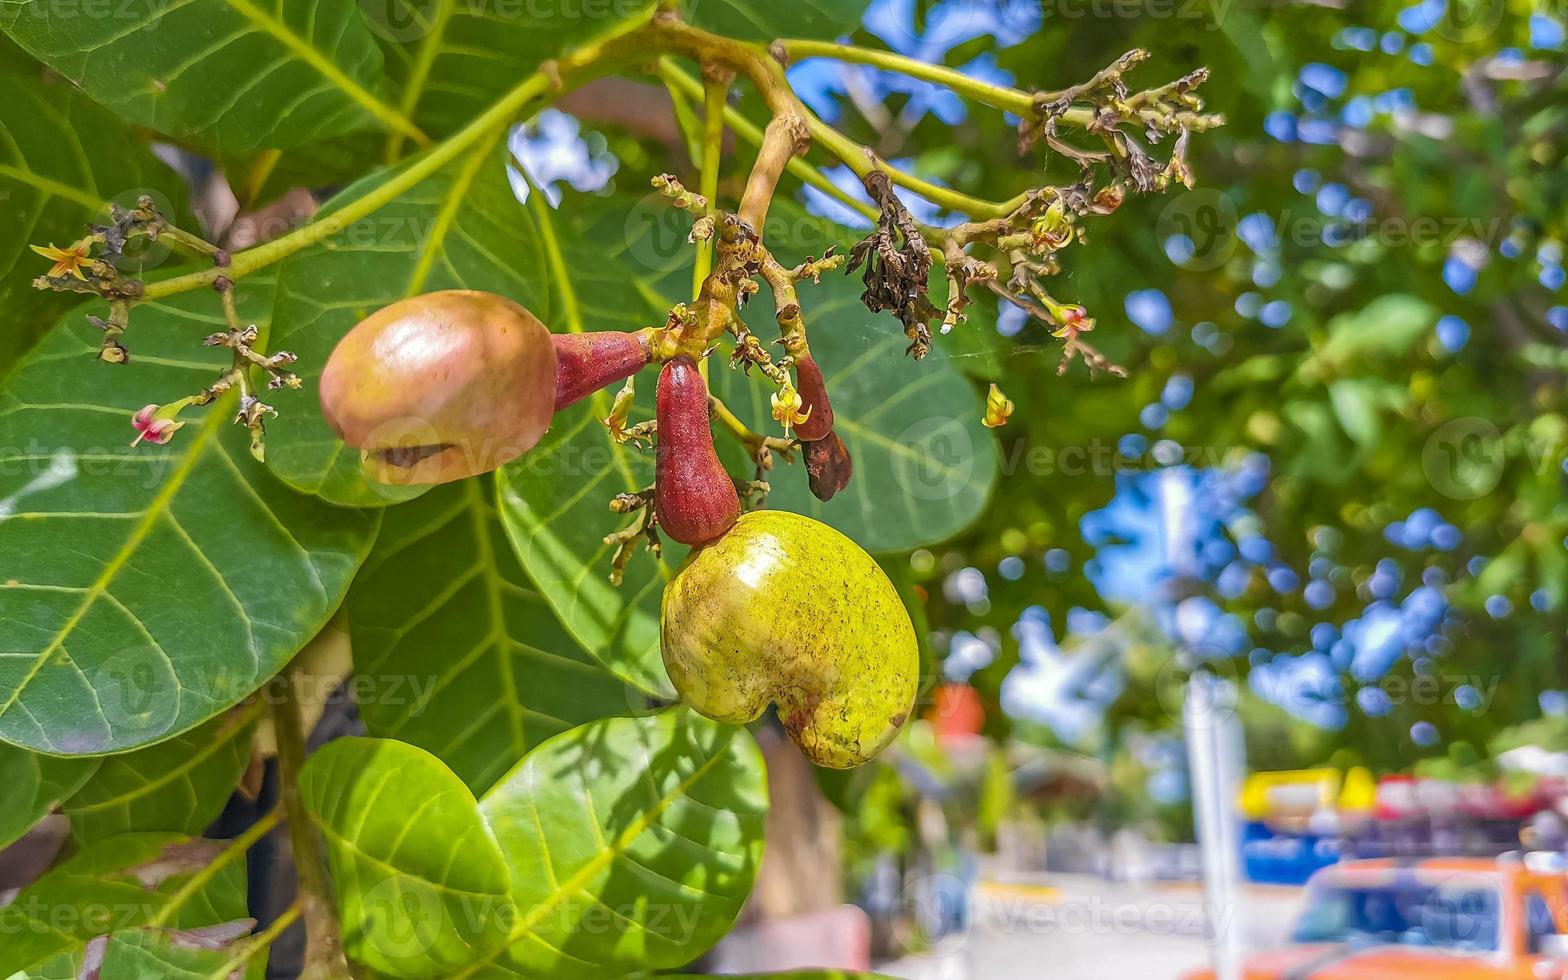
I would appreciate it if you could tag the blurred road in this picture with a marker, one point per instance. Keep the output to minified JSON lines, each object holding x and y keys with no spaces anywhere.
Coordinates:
{"x":1078,"y":927}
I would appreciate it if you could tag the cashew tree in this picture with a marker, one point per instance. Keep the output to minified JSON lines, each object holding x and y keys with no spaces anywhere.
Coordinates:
{"x":535,"y":483}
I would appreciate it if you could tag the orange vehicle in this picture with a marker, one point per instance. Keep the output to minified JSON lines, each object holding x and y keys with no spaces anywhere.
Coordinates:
{"x":1436,"y":919}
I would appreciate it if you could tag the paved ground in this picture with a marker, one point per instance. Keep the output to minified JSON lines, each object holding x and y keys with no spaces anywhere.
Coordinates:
{"x":1069,"y":927}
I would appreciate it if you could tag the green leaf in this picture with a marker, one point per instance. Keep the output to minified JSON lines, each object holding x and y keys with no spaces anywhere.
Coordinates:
{"x":1358,"y":403}
{"x":61,"y":158}
{"x":446,"y":62}
{"x":449,"y":59}
{"x":1385,"y":327}
{"x":231,"y":75}
{"x":118,"y":883}
{"x":34,"y":785}
{"x":420,"y":881}
{"x":477,"y":671}
{"x":973,"y":347}
{"x":1322,"y":453}
{"x":151,"y":587}
{"x":625,"y":844}
{"x":633,"y":843}
{"x":180,"y":785}
{"x":757,"y":20}
{"x":208,"y":953}
{"x":554,"y":504}
{"x":462,"y":228}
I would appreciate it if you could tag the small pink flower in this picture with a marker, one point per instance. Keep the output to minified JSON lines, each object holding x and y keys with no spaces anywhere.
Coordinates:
{"x":150,"y":426}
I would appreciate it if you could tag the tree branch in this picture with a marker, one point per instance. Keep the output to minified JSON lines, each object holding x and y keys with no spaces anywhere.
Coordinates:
{"x":752,"y":133}
{"x":323,"y":935}
{"x":715,"y":96}
{"x":783,"y":140}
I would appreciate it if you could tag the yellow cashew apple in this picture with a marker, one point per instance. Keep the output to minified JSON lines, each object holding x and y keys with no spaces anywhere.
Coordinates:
{"x":785,"y":609}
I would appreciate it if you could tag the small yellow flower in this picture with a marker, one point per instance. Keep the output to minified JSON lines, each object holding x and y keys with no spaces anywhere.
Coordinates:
{"x":620,"y":413}
{"x":1072,"y":320}
{"x":786,"y":407}
{"x":67,"y":260}
{"x":997,"y":408}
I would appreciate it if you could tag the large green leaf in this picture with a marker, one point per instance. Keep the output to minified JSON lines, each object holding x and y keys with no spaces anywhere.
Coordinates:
{"x":460,"y":229}
{"x":478,"y":670}
{"x":230,"y":75}
{"x":179,"y":785}
{"x":446,"y":62}
{"x":34,"y":785}
{"x":616,"y":847}
{"x":147,"y":589}
{"x":633,"y":843}
{"x":120,"y":883}
{"x":555,"y":507}
{"x":61,"y":158}
{"x":420,"y":882}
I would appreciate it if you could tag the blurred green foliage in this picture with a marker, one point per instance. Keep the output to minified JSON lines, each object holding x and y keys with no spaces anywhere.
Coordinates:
{"x":1453,"y":139}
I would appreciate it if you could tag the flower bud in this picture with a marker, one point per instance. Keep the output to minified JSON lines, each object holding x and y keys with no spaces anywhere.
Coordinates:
{"x":694,"y":497}
{"x":998,"y":407}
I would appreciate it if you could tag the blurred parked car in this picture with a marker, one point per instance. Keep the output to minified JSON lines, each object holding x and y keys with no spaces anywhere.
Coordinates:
{"x":1436,"y":919}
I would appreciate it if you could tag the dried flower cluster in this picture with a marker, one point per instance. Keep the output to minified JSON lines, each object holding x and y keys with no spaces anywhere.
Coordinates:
{"x":78,"y":269}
